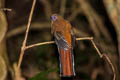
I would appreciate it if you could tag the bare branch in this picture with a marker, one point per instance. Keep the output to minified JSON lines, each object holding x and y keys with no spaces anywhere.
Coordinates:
{"x":63,"y":7}
{"x":38,"y":44}
{"x":98,"y":51}
{"x":106,"y":57}
{"x":109,"y":61}
{"x":51,"y":42}
{"x":26,"y":35}
{"x":47,"y":6}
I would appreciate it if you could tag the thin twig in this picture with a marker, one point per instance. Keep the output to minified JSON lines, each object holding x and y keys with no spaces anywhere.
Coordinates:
{"x":106,"y":57}
{"x":38,"y":44}
{"x":26,"y":35}
{"x":109,"y":61}
{"x":85,"y":38}
{"x":51,"y":42}
{"x":98,"y":51}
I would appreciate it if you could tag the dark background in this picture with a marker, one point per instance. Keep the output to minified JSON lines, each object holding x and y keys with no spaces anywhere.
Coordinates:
{"x":43,"y":60}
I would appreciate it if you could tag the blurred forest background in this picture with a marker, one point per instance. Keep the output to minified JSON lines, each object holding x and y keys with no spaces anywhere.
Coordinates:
{"x":97,"y":18}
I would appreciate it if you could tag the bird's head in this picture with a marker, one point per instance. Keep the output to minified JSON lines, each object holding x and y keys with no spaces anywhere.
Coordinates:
{"x":56,"y":17}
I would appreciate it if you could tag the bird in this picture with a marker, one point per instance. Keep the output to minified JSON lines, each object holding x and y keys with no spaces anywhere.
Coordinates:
{"x":65,"y":41}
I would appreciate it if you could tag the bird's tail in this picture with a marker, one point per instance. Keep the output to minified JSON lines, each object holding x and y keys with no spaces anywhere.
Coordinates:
{"x":66,"y":63}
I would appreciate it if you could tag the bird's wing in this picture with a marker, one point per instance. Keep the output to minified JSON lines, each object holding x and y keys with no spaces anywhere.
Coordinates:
{"x":60,"y":41}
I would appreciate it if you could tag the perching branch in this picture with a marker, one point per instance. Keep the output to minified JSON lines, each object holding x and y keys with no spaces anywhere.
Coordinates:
{"x":51,"y":42}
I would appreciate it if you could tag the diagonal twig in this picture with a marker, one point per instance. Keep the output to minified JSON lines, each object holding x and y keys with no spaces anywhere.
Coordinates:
{"x":26,"y":35}
{"x":106,"y":57}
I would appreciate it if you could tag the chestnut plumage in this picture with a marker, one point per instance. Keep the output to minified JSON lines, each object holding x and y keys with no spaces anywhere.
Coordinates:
{"x":64,"y":38}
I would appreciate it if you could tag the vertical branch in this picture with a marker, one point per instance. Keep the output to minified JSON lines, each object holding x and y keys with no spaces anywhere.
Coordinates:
{"x":4,"y":62}
{"x":29,"y":22}
{"x":118,"y":32}
{"x":113,"y":10}
{"x":63,"y":7}
{"x":47,"y":6}
{"x":26,"y":35}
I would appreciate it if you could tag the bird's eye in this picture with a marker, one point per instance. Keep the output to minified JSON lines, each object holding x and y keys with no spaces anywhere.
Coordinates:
{"x":54,"y":17}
